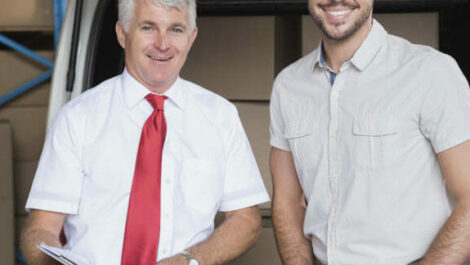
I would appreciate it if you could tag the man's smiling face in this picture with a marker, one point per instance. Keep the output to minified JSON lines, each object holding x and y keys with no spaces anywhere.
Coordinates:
{"x":340,"y":19}
{"x":156,"y":44}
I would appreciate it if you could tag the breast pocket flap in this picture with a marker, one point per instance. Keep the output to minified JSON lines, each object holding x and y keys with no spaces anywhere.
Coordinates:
{"x":379,"y":126}
{"x":299,"y":129}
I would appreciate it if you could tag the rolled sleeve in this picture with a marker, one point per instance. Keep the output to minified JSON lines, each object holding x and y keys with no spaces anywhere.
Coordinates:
{"x":243,"y":185}
{"x":277,"y":126}
{"x":58,"y":180}
{"x":445,"y":113}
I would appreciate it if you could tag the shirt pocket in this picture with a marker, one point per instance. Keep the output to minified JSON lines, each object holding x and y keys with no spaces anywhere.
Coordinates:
{"x":202,"y":184}
{"x":375,"y":142}
{"x":304,"y":144}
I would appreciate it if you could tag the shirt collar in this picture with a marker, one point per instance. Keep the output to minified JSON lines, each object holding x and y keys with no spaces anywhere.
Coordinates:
{"x":318,"y":56}
{"x":134,"y":92}
{"x":370,"y":46}
{"x":366,"y":52}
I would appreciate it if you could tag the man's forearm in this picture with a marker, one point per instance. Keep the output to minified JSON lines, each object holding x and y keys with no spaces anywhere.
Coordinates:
{"x":33,"y":255}
{"x":452,"y":245}
{"x":288,"y":208}
{"x":232,"y":238}
{"x":292,"y":245}
{"x":41,"y":226}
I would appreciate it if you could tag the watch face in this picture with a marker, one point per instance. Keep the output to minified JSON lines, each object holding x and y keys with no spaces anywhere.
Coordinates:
{"x":193,"y":262}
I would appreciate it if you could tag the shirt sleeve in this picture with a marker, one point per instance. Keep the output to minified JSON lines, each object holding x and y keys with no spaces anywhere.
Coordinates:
{"x":277,"y":126}
{"x":243,"y":185}
{"x":445,"y":112}
{"x":58,"y":180}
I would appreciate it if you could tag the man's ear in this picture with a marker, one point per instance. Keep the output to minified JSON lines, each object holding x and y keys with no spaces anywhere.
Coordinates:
{"x":120,"y":34}
{"x":193,"y":36}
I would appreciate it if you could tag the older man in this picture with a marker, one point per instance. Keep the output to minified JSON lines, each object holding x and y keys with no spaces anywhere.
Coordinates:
{"x":369,"y":135}
{"x":135,"y":169}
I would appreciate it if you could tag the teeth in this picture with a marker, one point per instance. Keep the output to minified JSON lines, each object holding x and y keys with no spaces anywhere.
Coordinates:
{"x":159,"y":58}
{"x":339,"y":13}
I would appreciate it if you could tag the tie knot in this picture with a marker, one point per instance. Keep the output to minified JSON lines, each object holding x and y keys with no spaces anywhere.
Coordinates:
{"x":156,"y":101}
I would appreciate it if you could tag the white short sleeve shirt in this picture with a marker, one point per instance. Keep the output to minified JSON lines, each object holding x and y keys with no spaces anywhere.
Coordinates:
{"x":87,"y":166}
{"x":365,"y":147}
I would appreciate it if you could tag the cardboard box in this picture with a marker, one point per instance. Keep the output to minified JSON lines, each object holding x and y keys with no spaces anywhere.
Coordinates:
{"x":17,"y":69}
{"x":255,"y":119}
{"x":233,"y":56}
{"x":6,"y":195}
{"x":28,"y":126}
{"x":264,"y":251}
{"x":27,"y":15}
{"x":420,"y":28}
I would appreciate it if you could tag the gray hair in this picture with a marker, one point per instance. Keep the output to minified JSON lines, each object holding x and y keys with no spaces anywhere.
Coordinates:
{"x":126,"y":10}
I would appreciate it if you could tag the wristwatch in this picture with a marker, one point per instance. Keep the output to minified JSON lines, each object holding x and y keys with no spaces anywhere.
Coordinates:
{"x":190,"y":258}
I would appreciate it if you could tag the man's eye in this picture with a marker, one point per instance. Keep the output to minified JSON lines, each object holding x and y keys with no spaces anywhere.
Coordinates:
{"x":177,"y":30}
{"x":146,"y":28}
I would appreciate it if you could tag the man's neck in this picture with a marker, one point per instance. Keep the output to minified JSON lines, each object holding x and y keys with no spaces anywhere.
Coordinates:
{"x":337,"y":52}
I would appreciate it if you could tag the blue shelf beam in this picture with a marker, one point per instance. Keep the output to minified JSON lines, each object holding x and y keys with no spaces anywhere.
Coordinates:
{"x":22,"y":49}
{"x":30,"y":84}
{"x":25,"y":87}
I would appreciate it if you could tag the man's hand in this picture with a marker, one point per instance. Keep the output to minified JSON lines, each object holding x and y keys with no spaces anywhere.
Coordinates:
{"x":178,"y":259}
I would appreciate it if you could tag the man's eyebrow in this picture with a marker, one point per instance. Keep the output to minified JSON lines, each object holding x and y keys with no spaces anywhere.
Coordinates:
{"x":146,"y":22}
{"x":177,"y":24}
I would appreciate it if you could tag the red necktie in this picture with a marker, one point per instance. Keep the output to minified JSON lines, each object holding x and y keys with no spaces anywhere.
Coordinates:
{"x":143,"y":215}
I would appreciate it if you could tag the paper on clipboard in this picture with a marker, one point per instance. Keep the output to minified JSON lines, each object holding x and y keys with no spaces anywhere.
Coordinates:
{"x":63,"y":256}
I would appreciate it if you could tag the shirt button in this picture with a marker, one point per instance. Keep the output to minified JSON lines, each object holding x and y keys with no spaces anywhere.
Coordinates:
{"x":333,"y":213}
{"x":373,"y":128}
{"x":167,"y":181}
{"x":335,"y":94}
{"x":165,"y":251}
{"x":333,"y":135}
{"x":335,"y":175}
{"x":167,"y":216}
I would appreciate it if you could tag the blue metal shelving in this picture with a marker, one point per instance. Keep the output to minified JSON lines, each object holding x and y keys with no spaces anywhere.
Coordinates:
{"x":59,"y":12}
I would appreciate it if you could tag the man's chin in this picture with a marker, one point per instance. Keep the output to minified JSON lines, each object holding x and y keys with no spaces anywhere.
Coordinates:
{"x":336,"y":35}
{"x":339,"y":32}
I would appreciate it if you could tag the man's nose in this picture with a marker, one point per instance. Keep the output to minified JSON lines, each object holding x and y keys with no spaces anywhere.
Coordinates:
{"x":162,"y":42}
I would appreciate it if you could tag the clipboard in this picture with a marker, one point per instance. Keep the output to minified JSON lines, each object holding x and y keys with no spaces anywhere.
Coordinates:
{"x":63,"y":256}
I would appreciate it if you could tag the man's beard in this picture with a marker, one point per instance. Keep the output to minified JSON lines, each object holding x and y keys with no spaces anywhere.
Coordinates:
{"x":350,"y":31}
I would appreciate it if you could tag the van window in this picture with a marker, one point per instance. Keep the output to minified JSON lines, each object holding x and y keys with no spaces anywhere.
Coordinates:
{"x":105,"y":58}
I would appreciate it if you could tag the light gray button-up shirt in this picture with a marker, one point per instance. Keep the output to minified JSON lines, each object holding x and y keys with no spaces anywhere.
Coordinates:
{"x":365,"y":146}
